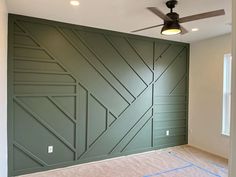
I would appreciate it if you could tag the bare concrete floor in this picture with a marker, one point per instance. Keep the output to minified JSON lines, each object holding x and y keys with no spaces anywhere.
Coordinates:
{"x":181,"y":161}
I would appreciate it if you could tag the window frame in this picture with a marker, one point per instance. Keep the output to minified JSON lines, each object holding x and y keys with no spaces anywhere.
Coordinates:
{"x":226,"y":98}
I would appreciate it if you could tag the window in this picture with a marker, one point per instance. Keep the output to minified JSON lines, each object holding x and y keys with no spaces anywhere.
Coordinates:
{"x":227,"y":94}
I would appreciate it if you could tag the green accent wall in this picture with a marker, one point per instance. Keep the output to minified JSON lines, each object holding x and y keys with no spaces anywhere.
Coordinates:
{"x":91,"y":94}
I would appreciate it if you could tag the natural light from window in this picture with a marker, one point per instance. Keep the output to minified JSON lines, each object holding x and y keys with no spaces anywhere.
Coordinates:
{"x":227,"y":94}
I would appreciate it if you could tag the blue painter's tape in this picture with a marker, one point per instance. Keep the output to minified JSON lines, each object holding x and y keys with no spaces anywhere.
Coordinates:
{"x":190,"y":164}
{"x":207,"y":171}
{"x":169,"y":171}
{"x":222,"y":169}
{"x":201,"y":168}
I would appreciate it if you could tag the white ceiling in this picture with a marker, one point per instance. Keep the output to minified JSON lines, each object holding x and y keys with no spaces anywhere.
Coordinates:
{"x":128,"y":15}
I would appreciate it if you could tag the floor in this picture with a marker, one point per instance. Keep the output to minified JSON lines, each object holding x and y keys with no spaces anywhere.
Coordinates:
{"x":181,"y":161}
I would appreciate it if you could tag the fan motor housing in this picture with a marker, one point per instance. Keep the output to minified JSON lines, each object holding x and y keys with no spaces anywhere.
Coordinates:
{"x":174,"y":16}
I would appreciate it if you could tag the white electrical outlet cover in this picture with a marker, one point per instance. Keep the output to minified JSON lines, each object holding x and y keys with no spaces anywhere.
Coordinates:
{"x":50,"y":149}
{"x":167,"y":132}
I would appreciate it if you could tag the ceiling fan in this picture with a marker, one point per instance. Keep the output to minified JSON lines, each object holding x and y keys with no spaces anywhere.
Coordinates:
{"x":172,"y":21}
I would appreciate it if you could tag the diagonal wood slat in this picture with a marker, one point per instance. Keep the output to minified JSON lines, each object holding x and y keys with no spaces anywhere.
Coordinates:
{"x":43,"y":123}
{"x":30,"y":154}
{"x":60,"y":107}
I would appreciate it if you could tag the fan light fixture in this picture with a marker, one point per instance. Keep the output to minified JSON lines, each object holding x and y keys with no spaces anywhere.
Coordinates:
{"x":171,"y":28}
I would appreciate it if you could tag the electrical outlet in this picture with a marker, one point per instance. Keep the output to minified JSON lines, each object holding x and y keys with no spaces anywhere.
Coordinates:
{"x":167,"y":132}
{"x":50,"y":149}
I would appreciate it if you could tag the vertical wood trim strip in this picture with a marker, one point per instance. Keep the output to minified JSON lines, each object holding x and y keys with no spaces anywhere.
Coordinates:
{"x":10,"y":92}
{"x":77,"y":122}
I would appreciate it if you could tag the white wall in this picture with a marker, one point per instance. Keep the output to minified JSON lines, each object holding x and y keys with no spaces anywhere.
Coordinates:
{"x":3,"y":89}
{"x":205,"y":94}
{"x":233,"y":116}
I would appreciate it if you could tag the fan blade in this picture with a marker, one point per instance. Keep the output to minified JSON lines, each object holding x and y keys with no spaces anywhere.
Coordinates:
{"x":202,"y":16}
{"x":184,"y":30}
{"x":146,"y":28}
{"x":159,"y":13}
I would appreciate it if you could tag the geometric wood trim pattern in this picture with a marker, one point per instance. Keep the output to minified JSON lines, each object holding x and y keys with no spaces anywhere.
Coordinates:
{"x":92,"y":94}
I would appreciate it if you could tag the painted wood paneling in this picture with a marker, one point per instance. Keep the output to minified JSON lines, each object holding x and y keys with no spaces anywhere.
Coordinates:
{"x":90,"y":93}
